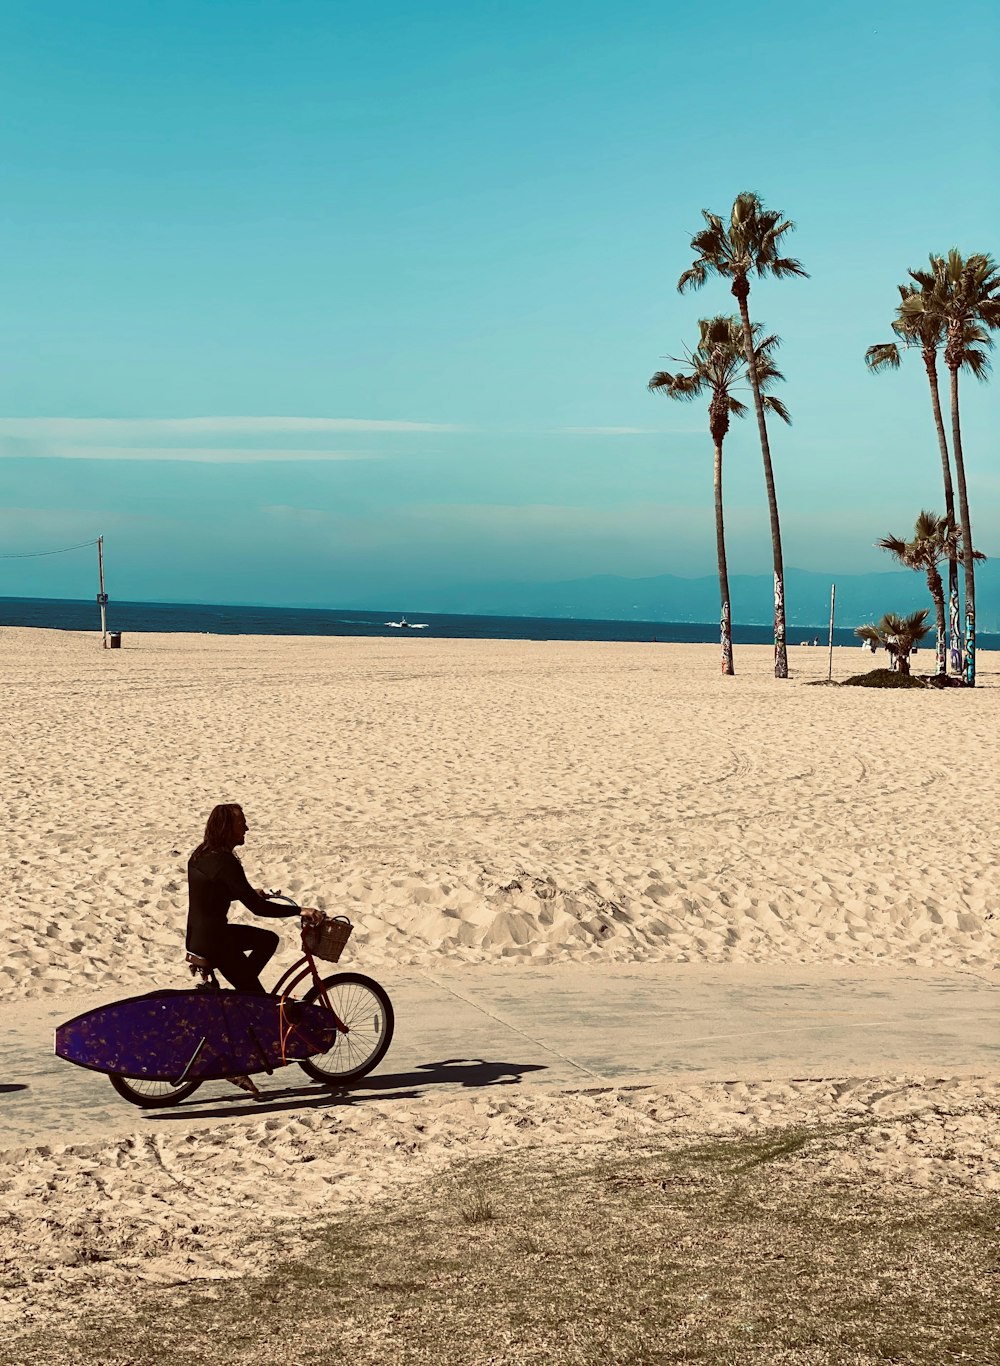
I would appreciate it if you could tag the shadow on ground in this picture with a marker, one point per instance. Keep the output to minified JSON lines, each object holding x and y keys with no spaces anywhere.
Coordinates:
{"x":454,"y":1072}
{"x":464,"y":1072}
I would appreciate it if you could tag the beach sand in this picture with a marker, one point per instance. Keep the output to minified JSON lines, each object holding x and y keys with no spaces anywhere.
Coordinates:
{"x":466,"y":803}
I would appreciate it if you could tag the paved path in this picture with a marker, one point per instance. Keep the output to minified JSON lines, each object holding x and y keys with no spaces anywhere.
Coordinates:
{"x":560,"y":1026}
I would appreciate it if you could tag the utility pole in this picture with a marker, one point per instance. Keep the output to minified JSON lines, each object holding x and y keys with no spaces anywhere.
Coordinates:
{"x":102,"y":597}
{"x":833,"y":599}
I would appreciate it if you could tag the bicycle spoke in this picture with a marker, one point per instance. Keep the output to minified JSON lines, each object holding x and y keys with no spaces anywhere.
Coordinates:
{"x":363,"y":1007}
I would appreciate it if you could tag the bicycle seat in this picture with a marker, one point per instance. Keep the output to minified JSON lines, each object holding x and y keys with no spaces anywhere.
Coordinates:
{"x":201,"y":967}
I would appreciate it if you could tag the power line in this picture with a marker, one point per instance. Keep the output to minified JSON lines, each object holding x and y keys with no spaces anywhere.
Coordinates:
{"x":37,"y":554}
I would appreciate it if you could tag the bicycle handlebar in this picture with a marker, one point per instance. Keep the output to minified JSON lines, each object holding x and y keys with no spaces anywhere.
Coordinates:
{"x":279,"y":896}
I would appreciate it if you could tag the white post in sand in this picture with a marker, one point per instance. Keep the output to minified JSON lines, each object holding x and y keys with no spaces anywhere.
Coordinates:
{"x":102,"y":597}
{"x":833,"y":599}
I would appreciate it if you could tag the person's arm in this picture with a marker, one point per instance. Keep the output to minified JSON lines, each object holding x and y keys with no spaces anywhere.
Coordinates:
{"x":240,"y":890}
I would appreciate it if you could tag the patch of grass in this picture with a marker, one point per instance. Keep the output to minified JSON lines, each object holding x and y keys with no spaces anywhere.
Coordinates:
{"x":727,"y":1253}
{"x":759,"y":1149}
{"x":477,"y":1208}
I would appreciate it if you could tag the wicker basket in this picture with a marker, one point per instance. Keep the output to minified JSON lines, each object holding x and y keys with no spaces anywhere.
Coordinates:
{"x":327,"y":939}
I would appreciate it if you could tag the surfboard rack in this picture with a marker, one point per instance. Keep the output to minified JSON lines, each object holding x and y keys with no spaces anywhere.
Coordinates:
{"x":191,"y":1061}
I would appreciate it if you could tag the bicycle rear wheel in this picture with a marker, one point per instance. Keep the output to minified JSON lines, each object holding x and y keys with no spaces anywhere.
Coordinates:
{"x":365,"y":1008}
{"x":151,"y":1095}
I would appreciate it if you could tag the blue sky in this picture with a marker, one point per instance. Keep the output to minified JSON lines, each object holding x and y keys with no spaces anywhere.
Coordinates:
{"x":320,"y":303}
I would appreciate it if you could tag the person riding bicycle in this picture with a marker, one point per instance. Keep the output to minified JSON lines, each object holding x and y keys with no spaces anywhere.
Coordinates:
{"x":215,"y":880}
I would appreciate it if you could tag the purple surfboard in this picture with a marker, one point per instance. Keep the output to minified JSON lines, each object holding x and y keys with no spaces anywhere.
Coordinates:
{"x":198,"y":1035}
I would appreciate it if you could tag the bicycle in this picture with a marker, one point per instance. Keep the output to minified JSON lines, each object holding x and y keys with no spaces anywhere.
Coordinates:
{"x":352,"y":1008}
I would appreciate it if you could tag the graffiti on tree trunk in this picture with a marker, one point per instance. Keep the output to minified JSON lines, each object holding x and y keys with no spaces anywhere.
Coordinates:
{"x":970,"y":649}
{"x":727,"y":641}
{"x":955,"y":622}
{"x":779,"y":624}
{"x":942,"y":652}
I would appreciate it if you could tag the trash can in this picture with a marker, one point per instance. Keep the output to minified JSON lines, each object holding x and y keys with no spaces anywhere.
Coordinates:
{"x":115,"y":640}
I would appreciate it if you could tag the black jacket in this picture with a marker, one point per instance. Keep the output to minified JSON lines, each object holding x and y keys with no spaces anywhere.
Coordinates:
{"x":215,"y":880}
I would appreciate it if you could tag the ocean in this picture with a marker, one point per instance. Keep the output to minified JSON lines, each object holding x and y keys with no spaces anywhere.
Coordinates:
{"x":67,"y":614}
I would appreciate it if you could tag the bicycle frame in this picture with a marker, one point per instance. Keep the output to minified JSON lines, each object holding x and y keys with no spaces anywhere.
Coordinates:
{"x":301,"y":969}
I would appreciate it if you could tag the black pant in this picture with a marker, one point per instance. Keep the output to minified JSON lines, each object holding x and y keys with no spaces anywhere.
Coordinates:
{"x":243,"y":955}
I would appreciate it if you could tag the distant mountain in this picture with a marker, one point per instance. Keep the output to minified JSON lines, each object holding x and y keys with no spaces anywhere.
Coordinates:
{"x":667,"y":597}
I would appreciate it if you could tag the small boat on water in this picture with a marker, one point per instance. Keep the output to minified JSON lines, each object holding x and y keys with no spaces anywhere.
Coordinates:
{"x":403,"y":625}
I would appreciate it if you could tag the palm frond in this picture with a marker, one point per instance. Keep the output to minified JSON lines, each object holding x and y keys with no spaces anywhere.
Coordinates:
{"x":775,"y":405}
{"x":767,"y":374}
{"x":976,"y":362}
{"x":682,"y":387}
{"x":895,"y":546}
{"x":929,"y":526}
{"x":693,"y":278}
{"x":913,"y":627}
{"x":882,"y":356}
{"x":912,"y":310}
{"x":762,"y":345}
{"x":782,"y":266}
{"x":932,"y":279}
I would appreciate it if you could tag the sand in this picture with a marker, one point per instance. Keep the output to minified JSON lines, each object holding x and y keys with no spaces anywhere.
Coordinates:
{"x":492,"y":800}
{"x":468,"y":803}
{"x":92,"y":1220}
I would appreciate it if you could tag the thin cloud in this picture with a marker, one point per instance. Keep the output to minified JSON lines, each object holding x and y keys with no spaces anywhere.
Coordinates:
{"x":629,"y":431}
{"x":149,"y":428}
{"x":496,"y":523}
{"x":607,"y":431}
{"x":194,"y":454}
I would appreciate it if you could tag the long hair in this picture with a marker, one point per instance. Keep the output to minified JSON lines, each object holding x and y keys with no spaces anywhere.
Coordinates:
{"x":220,"y":829}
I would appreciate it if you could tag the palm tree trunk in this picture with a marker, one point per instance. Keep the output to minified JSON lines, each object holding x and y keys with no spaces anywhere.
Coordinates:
{"x":968,"y":562}
{"x":741,"y":289}
{"x":937,"y":593}
{"x":720,"y":545}
{"x":955,"y":620}
{"x":954,"y":612}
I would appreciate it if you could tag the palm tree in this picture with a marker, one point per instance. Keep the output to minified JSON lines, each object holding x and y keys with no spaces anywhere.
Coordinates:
{"x":715,"y":366}
{"x":898,"y":635}
{"x":934,"y":539}
{"x":926,"y":331}
{"x":963,"y":294}
{"x":750,"y":242}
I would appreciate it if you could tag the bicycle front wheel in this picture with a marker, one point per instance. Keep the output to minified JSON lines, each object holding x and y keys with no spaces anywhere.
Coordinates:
{"x":366,"y":1009}
{"x":151,"y":1095}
